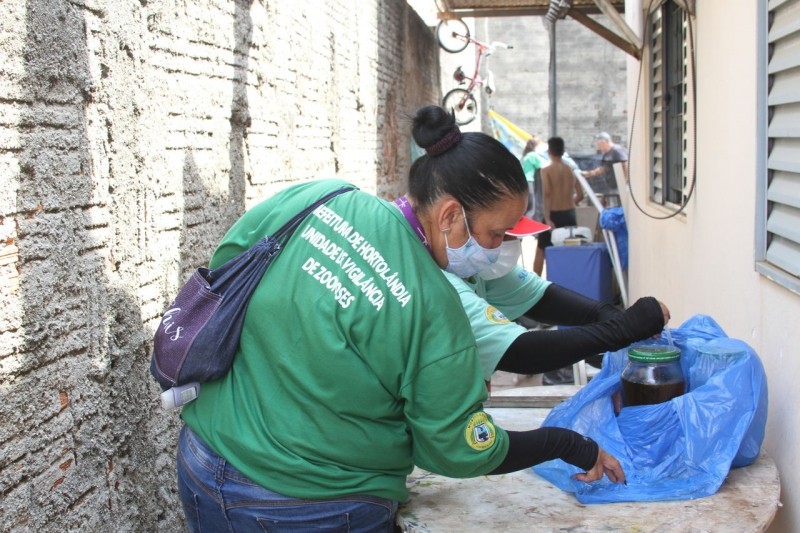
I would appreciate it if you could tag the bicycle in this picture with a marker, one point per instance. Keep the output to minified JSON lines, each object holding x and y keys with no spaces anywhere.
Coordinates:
{"x":453,"y":36}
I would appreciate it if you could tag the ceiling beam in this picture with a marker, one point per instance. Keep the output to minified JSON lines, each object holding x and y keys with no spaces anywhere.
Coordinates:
{"x":611,"y":12}
{"x":605,"y":33}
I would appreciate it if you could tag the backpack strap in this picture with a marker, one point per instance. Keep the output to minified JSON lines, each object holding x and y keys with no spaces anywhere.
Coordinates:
{"x":287,"y":229}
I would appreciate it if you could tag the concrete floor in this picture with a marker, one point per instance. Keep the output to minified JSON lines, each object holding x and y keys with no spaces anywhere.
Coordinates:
{"x":506,"y":380}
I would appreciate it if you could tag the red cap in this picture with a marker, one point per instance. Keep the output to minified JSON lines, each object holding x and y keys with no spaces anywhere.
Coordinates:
{"x":527,"y":226}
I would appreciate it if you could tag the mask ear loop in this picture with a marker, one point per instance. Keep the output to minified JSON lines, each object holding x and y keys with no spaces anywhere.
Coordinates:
{"x":464,"y":214}
{"x":466,"y":225}
{"x":466,"y":222}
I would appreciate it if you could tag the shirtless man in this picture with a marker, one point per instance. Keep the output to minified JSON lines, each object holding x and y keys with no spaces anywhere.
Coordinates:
{"x":561,"y":193}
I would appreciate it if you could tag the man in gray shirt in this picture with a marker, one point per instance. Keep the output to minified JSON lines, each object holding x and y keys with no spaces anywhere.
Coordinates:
{"x":603,"y":180}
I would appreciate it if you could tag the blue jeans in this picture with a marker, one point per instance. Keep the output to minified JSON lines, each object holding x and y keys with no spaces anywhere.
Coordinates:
{"x":216,"y":497}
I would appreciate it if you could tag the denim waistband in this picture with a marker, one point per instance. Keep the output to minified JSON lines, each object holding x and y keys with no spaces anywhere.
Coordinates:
{"x":220,"y":469}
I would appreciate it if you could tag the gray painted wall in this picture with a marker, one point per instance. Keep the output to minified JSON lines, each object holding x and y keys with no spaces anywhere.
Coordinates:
{"x":590,"y":79}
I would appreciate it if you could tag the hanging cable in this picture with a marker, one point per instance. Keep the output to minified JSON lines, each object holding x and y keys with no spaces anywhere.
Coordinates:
{"x":645,"y":40}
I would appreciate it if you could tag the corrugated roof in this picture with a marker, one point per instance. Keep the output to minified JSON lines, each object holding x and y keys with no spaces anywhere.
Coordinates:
{"x":484,"y":8}
{"x":618,"y":34}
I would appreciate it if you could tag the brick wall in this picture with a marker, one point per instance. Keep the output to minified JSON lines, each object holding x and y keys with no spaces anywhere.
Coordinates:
{"x":132,"y":134}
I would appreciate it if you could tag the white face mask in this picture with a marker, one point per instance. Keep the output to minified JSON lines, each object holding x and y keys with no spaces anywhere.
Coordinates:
{"x":471,"y":257}
{"x":510,"y":252}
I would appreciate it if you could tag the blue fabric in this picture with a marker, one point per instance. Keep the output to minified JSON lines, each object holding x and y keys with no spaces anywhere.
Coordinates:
{"x":217,"y":497}
{"x":586,"y":269}
{"x":678,"y":449}
{"x":613,"y":219}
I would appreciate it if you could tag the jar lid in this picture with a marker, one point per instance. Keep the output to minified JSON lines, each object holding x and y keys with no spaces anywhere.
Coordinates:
{"x":654,"y":353}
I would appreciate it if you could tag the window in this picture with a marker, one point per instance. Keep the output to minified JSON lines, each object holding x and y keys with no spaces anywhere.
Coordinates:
{"x":670,"y":119}
{"x":778,"y":213}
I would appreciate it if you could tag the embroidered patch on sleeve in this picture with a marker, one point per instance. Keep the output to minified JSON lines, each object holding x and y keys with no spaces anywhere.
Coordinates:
{"x":480,"y":432}
{"x":495,"y":316}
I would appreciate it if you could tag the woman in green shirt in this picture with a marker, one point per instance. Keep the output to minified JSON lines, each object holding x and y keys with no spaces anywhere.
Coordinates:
{"x":356,"y":359}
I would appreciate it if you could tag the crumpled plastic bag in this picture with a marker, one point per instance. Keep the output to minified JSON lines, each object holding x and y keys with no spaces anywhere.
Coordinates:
{"x":613,"y":219}
{"x":678,"y":449}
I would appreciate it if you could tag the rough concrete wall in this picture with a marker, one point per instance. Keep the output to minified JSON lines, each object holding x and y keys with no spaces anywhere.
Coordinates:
{"x":406,"y":85}
{"x":132,"y":134}
{"x":590,"y":79}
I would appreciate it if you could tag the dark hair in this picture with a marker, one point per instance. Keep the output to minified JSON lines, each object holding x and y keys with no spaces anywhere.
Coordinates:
{"x":555,"y":145}
{"x":477,"y":170}
{"x":531,"y":145}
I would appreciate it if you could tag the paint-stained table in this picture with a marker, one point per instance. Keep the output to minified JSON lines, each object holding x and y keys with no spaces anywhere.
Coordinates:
{"x":523,"y":501}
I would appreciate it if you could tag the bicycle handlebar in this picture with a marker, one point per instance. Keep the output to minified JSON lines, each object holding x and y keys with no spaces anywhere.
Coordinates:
{"x":491,"y":47}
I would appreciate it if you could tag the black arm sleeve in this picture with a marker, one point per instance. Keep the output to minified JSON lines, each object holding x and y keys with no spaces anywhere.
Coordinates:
{"x":529,"y":448}
{"x":565,"y":307}
{"x":535,"y":352}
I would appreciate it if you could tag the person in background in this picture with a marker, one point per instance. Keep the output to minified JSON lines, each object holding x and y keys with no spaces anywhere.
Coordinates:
{"x":505,"y":292}
{"x":561,"y":193}
{"x":602,"y":178}
{"x":357,"y":360}
{"x":532,"y":163}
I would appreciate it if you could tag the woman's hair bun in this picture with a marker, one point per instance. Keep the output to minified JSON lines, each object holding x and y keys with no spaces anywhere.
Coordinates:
{"x":435,"y":130}
{"x":431,"y":123}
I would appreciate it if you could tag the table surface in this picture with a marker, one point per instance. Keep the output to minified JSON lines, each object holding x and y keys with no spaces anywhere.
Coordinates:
{"x":523,"y":501}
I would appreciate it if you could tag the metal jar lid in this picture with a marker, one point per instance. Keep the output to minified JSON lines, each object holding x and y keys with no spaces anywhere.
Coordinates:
{"x":654,"y":354}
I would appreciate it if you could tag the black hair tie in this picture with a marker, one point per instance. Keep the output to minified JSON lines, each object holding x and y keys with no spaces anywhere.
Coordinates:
{"x":445,"y":143}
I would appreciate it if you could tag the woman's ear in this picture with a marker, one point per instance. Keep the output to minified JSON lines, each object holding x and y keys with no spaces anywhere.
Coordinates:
{"x":449,"y":213}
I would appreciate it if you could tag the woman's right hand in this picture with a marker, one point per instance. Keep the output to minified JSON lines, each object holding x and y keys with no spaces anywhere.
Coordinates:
{"x":664,"y":310}
{"x":606,"y":464}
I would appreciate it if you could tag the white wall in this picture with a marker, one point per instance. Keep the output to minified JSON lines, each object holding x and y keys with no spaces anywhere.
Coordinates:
{"x":703,"y":261}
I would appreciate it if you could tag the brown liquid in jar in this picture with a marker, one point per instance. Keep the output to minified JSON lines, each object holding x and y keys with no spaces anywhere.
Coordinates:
{"x":649,"y":394}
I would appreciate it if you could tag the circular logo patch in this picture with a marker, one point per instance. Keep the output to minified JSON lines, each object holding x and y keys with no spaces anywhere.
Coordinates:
{"x":495,"y":315}
{"x":480,"y":432}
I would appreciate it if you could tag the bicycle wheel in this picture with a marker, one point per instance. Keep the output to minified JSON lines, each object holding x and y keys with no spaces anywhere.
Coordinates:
{"x":452,"y":34}
{"x":462,"y":104}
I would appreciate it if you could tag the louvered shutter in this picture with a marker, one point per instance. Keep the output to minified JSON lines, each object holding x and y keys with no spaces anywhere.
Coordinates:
{"x":669,"y":102}
{"x":783,"y":132}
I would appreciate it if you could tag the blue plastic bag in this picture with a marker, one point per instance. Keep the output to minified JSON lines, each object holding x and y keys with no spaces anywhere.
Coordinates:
{"x":613,"y":219}
{"x":678,"y":449}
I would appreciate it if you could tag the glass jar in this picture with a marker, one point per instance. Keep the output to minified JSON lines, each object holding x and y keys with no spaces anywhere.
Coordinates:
{"x":653,"y":375}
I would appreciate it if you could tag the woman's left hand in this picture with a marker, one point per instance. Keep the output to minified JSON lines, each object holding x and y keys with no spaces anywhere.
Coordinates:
{"x":606,"y":464}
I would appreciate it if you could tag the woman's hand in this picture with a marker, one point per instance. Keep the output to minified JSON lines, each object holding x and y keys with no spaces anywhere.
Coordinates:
{"x":664,"y":310}
{"x":606,"y":464}
{"x":616,"y":400}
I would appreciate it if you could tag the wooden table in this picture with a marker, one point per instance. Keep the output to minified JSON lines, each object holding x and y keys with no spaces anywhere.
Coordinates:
{"x":523,"y":501}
